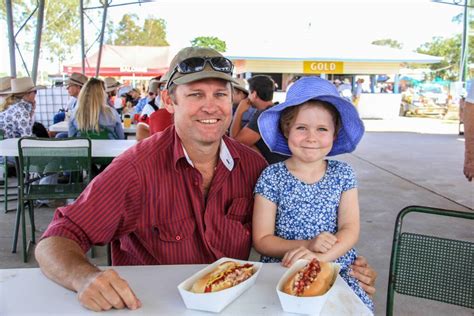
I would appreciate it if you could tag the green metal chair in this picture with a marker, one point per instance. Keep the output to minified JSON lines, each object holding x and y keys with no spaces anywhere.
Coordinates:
{"x":6,"y":187}
{"x":102,"y":134}
{"x":42,"y":157}
{"x":431,"y":267}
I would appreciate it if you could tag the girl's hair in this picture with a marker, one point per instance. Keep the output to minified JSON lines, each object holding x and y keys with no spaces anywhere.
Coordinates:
{"x":91,"y":102}
{"x":289,"y":115}
{"x":11,"y":99}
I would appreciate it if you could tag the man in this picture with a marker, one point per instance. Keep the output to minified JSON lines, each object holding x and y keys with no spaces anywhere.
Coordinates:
{"x":73,"y":85}
{"x":188,"y":197}
{"x":357,"y":91}
{"x":261,"y":97}
{"x":240,"y":93}
{"x":152,"y":91}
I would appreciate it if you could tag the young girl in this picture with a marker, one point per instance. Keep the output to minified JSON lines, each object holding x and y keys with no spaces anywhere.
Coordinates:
{"x":307,"y":206}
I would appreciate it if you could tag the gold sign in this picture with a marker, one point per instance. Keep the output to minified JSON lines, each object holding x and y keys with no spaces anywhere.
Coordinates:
{"x":323,"y":67}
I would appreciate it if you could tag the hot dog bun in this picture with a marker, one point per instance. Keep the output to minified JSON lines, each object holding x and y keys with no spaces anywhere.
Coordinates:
{"x":226,"y":275}
{"x":317,"y":278}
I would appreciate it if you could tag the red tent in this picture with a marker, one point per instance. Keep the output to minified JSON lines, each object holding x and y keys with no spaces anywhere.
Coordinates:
{"x":118,"y":61}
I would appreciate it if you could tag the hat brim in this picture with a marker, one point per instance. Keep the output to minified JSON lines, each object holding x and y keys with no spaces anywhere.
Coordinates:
{"x":35,"y":88}
{"x":350,"y":133}
{"x":196,"y":76}
{"x":112,"y":88}
{"x":239,"y":87}
{"x":72,"y":81}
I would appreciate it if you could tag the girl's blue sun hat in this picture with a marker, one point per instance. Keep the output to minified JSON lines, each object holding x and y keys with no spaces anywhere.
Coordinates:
{"x":303,"y":90}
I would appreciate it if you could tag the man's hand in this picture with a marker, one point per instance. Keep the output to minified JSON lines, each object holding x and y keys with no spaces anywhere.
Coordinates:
{"x":105,"y":290}
{"x":294,"y":255}
{"x":468,"y":172}
{"x":244,"y":105}
{"x":366,"y":275}
{"x":322,"y":243}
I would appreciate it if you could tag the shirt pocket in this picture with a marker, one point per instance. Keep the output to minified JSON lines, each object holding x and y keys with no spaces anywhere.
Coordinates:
{"x":240,"y":210}
{"x":176,"y":231}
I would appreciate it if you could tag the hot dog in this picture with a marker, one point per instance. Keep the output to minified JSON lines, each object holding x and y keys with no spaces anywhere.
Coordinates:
{"x":314,"y":279}
{"x":226,"y":275}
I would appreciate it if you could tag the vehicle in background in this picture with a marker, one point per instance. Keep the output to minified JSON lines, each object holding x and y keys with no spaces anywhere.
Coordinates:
{"x":425,"y":99}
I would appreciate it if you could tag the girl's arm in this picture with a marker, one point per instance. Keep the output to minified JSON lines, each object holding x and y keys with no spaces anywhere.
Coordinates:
{"x":348,"y":223}
{"x":263,"y":230}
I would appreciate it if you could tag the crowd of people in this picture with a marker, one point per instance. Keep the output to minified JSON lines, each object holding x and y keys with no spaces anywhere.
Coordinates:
{"x":218,"y":168}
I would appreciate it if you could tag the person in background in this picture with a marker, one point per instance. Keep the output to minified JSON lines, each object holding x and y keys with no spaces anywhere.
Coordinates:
{"x":468,"y":119}
{"x":74,"y":85}
{"x":111,"y":86}
{"x":174,"y":178}
{"x":357,"y":91}
{"x":345,"y":89}
{"x":18,"y":109}
{"x":317,"y":196}
{"x":151,"y":94}
{"x":261,"y":89}
{"x":240,"y":93}
{"x":92,"y":115}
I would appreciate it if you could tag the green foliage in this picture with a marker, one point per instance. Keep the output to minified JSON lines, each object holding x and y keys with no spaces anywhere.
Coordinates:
{"x":210,"y":42}
{"x":130,"y":33}
{"x":61,"y":31}
{"x":388,"y":42}
{"x":450,"y":50}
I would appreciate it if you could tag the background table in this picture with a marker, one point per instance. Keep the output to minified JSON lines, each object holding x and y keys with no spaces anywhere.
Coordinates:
{"x":63,"y":127}
{"x":100,"y":147}
{"x":29,"y":292}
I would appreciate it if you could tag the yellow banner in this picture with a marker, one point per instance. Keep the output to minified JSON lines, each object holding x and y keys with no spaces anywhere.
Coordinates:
{"x":323,"y":67}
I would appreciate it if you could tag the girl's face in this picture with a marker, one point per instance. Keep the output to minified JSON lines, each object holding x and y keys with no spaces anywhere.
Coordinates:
{"x":311,"y":135}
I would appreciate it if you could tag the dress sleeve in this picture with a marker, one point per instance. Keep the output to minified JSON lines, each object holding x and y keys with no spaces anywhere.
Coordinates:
{"x":267,"y":184}
{"x":348,"y":177}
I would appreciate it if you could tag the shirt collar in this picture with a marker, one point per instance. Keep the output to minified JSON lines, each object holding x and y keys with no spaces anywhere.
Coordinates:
{"x":224,"y":155}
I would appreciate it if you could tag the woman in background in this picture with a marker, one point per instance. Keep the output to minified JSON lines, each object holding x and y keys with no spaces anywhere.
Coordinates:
{"x":93,"y":117}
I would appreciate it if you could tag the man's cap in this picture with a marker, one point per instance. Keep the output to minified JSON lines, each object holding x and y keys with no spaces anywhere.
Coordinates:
{"x":206,"y":73}
{"x":77,"y":78}
{"x":153,"y":86}
{"x":111,"y":84}
{"x":241,"y":85}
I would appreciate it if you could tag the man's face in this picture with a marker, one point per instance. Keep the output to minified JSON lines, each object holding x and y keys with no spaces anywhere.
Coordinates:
{"x":73,"y":90}
{"x":202,"y":110}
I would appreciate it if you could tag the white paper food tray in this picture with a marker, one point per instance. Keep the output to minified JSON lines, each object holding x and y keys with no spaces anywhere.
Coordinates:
{"x":216,"y":301}
{"x":302,"y":305}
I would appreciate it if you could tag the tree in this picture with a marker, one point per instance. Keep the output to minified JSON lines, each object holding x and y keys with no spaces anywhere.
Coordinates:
{"x":388,"y":42}
{"x":210,"y":42}
{"x":449,"y":49}
{"x":61,"y":32}
{"x":129,"y":32}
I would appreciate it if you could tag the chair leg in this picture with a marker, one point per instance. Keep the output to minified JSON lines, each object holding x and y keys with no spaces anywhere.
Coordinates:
{"x":32,"y":220}
{"x":23,"y":232}
{"x":17,"y":227}
{"x":5,"y":182}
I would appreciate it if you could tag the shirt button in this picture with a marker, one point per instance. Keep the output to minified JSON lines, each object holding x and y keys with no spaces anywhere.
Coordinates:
{"x":178,"y":237}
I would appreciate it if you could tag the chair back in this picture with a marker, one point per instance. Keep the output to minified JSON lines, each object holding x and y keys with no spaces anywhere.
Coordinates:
{"x":39,"y":157}
{"x":431,"y":267}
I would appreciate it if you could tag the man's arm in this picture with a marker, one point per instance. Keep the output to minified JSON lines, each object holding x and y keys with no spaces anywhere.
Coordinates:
{"x":63,"y":261}
{"x":468,"y":118}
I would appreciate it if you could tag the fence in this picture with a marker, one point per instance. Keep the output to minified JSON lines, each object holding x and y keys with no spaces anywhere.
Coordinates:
{"x":48,"y":103}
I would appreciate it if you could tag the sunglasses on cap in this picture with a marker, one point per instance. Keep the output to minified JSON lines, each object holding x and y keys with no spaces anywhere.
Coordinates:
{"x":197,"y":64}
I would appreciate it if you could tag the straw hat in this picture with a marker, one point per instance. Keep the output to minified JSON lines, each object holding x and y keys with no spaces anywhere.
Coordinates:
{"x":22,"y":85}
{"x":111,"y":84}
{"x":242,"y":85}
{"x":77,"y":79}
{"x":5,"y":84}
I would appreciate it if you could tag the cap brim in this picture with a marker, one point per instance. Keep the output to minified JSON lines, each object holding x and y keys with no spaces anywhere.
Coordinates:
{"x":195,"y":76}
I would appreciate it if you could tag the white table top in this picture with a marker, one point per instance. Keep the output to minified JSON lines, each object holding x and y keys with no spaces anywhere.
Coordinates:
{"x":63,"y":127}
{"x":29,"y":292}
{"x":100,"y":147}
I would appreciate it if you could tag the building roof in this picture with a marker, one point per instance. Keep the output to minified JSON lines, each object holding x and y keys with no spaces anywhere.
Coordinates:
{"x":327,"y":51}
{"x":126,"y":61}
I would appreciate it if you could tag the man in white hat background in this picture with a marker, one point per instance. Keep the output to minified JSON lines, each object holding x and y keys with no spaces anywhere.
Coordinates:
{"x":111,"y":86}
{"x":239,"y":94}
{"x":74,"y":85}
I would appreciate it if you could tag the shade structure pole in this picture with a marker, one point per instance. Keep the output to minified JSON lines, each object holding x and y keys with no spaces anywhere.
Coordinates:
{"x":39,"y":32}
{"x":83,"y":44}
{"x":464,"y":46}
{"x":102,"y":33}
{"x":11,"y":37}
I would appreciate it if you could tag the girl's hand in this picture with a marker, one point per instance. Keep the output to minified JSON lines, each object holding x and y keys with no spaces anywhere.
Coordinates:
{"x":365,"y":274}
{"x":323,"y":242}
{"x":293,"y":255}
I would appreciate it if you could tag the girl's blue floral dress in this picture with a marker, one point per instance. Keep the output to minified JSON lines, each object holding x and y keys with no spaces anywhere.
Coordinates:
{"x":306,"y":210}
